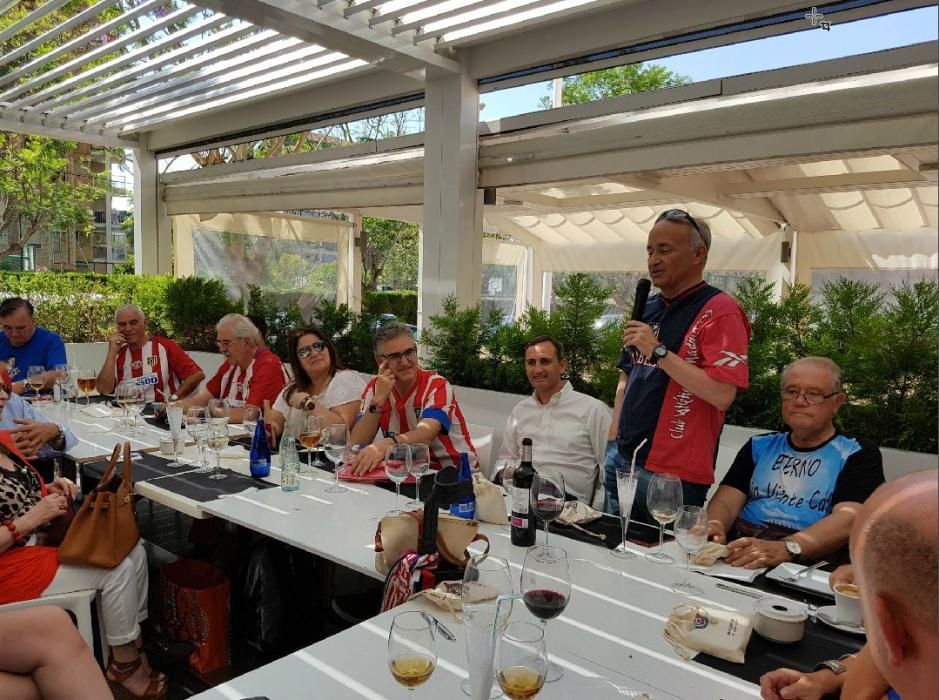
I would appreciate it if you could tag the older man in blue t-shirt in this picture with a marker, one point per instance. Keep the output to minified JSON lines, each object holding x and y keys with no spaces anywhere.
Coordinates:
{"x":24,"y":344}
{"x":793,"y":496}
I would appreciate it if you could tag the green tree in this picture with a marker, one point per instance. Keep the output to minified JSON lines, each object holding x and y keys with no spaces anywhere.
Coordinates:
{"x":385,"y":240}
{"x":613,"y":82}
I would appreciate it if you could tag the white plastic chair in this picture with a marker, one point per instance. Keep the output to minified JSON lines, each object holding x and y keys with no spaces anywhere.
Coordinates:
{"x":79,"y":604}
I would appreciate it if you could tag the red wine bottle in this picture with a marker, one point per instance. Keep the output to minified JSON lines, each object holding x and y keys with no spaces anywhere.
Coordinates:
{"x":523,"y":520}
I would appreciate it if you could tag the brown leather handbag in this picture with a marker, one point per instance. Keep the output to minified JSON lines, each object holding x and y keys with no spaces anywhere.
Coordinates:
{"x":104,"y":530}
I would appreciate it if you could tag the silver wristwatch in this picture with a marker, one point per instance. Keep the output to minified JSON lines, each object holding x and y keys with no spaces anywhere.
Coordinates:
{"x":794,"y":549}
{"x":833,"y":665}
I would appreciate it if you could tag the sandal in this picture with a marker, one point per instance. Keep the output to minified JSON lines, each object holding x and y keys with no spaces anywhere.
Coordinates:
{"x":156,"y":689}
{"x":154,"y":674}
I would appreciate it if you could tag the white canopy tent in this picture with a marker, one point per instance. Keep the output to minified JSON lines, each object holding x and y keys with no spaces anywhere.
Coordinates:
{"x":839,"y":148}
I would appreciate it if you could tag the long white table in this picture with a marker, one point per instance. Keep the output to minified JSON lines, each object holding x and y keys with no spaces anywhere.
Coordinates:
{"x":609,"y":639}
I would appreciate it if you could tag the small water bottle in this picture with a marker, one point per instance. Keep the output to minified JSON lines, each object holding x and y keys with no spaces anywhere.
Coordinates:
{"x":289,"y":464}
{"x":466,"y":506}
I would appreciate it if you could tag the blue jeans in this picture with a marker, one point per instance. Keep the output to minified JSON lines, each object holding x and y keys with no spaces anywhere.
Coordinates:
{"x":692,"y":494}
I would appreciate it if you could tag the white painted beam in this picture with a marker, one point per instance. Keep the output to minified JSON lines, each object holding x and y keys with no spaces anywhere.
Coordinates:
{"x":33,"y":17}
{"x":23,"y":122}
{"x":820,"y":184}
{"x":327,"y":26}
{"x":340,"y":200}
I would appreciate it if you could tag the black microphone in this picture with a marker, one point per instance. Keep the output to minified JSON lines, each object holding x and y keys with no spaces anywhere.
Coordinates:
{"x":639,"y":306}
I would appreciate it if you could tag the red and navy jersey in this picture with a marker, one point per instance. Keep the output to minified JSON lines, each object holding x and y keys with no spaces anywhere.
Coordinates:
{"x":160,"y":365}
{"x":706,"y":328}
{"x":262,"y":381}
{"x":430,"y":397}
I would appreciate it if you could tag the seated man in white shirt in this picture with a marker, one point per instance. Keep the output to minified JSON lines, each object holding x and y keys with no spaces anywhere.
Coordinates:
{"x":568,"y":429}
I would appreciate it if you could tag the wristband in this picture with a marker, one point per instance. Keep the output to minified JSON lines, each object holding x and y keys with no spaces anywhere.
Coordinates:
{"x":18,"y":539}
{"x":394,"y":439}
{"x":374,"y":407}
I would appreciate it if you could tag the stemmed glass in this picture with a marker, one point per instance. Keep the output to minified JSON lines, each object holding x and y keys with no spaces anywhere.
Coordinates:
{"x":626,"y":482}
{"x":174,"y":416}
{"x":121,"y":394}
{"x":36,"y":378}
{"x":521,"y":660}
{"x":485,"y":579}
{"x":310,"y":434}
{"x":546,"y":588}
{"x":218,"y":441}
{"x":337,"y":442}
{"x":86,"y":383}
{"x":216,"y":408}
{"x":691,"y":533}
{"x":197,"y":425}
{"x":412,"y":649}
{"x":663,"y":500}
{"x":131,"y":398}
{"x":397,"y":461}
{"x":547,"y":498}
{"x":419,"y":466}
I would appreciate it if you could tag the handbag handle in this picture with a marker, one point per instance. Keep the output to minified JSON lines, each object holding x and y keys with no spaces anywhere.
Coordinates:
{"x":128,"y":470}
{"x":109,"y":472}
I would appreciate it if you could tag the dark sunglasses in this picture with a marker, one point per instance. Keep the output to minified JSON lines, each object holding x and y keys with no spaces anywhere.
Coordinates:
{"x":681,"y":215}
{"x":307,"y":350}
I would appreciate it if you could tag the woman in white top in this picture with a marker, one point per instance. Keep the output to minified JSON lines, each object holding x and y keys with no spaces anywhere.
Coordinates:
{"x":321,"y":387}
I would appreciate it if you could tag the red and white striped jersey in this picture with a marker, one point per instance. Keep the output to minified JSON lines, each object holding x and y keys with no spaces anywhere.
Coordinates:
{"x":262,"y":381}
{"x":430,"y":397}
{"x":160,"y":365}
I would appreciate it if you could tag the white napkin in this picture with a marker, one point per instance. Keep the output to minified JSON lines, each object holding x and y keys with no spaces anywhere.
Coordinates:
{"x":721,"y":570}
{"x":234,"y":452}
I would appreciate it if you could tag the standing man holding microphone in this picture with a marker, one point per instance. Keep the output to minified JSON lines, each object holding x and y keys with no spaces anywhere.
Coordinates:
{"x":684,"y":358}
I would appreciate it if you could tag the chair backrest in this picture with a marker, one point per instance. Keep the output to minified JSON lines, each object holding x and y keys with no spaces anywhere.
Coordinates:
{"x":482,"y":437}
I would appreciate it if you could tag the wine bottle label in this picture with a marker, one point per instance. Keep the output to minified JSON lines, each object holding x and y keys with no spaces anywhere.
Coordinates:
{"x":519,"y":522}
{"x":520,"y":498}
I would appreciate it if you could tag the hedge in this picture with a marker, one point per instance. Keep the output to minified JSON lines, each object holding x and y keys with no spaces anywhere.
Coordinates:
{"x":402,"y":304}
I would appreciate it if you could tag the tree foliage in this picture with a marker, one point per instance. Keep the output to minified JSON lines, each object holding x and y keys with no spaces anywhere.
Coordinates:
{"x":389,"y":252}
{"x":616,"y":81}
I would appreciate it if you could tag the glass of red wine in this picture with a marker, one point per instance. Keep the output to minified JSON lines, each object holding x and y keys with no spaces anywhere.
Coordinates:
{"x":546,"y":588}
{"x":547,"y":498}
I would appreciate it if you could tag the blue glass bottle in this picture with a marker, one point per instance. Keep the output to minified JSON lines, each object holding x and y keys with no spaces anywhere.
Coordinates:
{"x":465,"y":507}
{"x":260,"y":458}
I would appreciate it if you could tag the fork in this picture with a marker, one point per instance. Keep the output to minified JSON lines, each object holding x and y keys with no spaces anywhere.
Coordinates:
{"x":804,"y":572}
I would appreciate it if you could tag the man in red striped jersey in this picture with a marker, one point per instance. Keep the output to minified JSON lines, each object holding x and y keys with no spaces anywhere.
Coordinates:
{"x":157,"y":363}
{"x":251,"y":373}
{"x":408,"y":404}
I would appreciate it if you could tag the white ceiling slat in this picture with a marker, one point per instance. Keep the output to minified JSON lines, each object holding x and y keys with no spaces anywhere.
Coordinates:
{"x":71,"y":22}
{"x":396,"y":15}
{"x":43,"y":78}
{"x":34,"y":16}
{"x":180,"y":65}
{"x":227,"y":71}
{"x":362,"y":7}
{"x":430,"y":30}
{"x":112,"y":66}
{"x":417,"y":24}
{"x":271,"y":83}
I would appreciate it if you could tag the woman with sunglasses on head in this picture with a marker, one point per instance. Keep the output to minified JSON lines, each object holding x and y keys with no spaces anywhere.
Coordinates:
{"x":321,"y":386}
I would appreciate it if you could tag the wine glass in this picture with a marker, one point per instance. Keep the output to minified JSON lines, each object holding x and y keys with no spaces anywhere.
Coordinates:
{"x":218,"y":441}
{"x":135,"y":398}
{"x":61,"y":380}
{"x":418,"y":467}
{"x":36,"y":378}
{"x":547,"y":498}
{"x":86,"y":383}
{"x":197,"y":426}
{"x":663,"y":500}
{"x":691,"y":533}
{"x":626,"y":482}
{"x":216,"y":408}
{"x":507,"y":468}
{"x":174,"y":416}
{"x":397,"y":461}
{"x":337,"y":442}
{"x":249,"y":418}
{"x":485,"y":579}
{"x":310,"y":433}
{"x":521,"y":660}
{"x":121,"y":394}
{"x":412,"y":648}
{"x":546,"y":588}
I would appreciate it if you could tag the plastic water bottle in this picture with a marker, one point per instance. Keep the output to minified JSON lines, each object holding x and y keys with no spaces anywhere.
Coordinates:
{"x":465,"y":507}
{"x":289,"y":464}
{"x":260,"y":457}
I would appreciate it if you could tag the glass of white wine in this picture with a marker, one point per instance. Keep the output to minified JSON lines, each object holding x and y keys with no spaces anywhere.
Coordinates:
{"x":36,"y":378}
{"x":310,"y":434}
{"x":663,"y":500}
{"x":86,"y":383}
{"x":521,"y":660}
{"x":412,"y":649}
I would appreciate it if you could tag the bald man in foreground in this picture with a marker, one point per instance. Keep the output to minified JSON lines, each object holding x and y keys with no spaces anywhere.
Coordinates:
{"x":894,"y":555}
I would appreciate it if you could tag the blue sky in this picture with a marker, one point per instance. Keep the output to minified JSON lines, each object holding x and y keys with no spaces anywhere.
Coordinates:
{"x":863,"y":36}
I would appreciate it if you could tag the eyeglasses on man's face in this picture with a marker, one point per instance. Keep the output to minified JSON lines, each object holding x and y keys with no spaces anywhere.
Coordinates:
{"x":308,"y":350}
{"x":396,"y":357}
{"x":225,"y":344}
{"x":811,"y":397}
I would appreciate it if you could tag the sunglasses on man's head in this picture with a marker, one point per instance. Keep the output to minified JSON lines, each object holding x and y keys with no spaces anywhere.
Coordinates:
{"x":680,"y":215}
{"x":307,"y":350}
